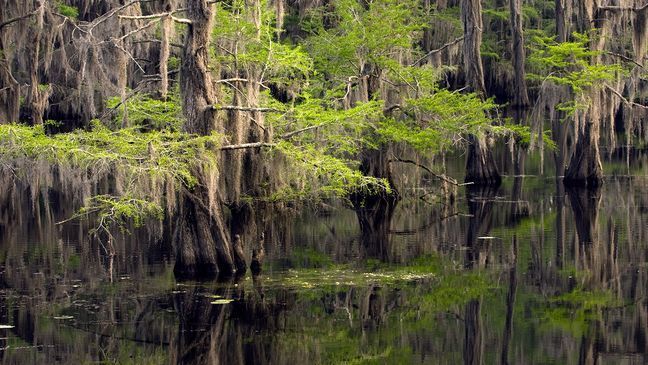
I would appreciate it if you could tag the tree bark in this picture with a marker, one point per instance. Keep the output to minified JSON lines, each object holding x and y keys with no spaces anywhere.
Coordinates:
{"x":203,"y":245}
{"x":561,"y":21}
{"x":585,"y":167}
{"x":472,"y":22}
{"x":520,"y":95}
{"x":480,"y":166}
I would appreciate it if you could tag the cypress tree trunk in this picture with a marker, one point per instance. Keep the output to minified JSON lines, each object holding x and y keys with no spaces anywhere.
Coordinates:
{"x":203,"y":245}
{"x":10,"y":90}
{"x":585,"y":168}
{"x":472,"y":64}
{"x":520,"y":95}
{"x":561,"y":21}
{"x":480,"y":166}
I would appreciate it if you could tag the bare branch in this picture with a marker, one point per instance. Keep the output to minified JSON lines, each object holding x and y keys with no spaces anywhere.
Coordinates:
{"x":247,"y":145}
{"x":235,"y":79}
{"x":243,"y":108}
{"x":290,"y":134}
{"x":440,"y":177}
{"x":625,"y":58}
{"x":181,"y":20}
{"x":620,"y":8}
{"x":626,"y":101}
{"x":438,"y":50}
{"x":18,"y":18}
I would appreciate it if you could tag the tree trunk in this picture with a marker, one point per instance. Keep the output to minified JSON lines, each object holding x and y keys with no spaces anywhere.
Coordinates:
{"x":585,"y":168}
{"x":203,"y":245}
{"x":520,"y":95}
{"x":480,"y":166}
{"x":9,"y":90}
{"x":561,"y":21}
{"x":472,"y":64}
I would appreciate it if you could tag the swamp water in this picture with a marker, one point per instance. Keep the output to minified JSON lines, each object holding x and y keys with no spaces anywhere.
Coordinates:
{"x":529,"y":273}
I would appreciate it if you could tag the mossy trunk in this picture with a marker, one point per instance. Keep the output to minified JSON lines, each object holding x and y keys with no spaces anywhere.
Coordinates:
{"x":585,"y":168}
{"x":473,"y":69}
{"x":203,"y":244}
{"x":480,"y":165}
{"x":520,"y":95}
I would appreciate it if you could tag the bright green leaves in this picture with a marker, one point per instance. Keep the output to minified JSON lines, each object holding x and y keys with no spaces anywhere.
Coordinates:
{"x":66,"y":10}
{"x":120,"y":211}
{"x":245,"y":38}
{"x":142,"y":110}
{"x":157,"y":153}
{"x":317,"y":174}
{"x":361,"y":35}
{"x":572,"y":64}
{"x":437,"y":122}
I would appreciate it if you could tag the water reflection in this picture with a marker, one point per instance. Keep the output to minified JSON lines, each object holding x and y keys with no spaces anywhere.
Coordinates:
{"x":527,"y":273}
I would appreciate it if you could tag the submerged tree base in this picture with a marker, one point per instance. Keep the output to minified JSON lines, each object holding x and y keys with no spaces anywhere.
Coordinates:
{"x":480,"y":166}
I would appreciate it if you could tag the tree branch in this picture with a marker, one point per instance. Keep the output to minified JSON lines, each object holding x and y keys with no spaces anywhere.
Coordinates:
{"x":625,"y":58}
{"x":440,"y":177}
{"x":290,"y":134}
{"x":247,"y":145}
{"x":626,"y":101}
{"x":242,"y":108}
{"x":619,"y":8}
{"x":437,"y":50}
{"x":18,"y":18}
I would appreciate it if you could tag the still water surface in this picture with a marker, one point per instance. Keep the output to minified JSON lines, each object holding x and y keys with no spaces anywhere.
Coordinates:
{"x":528,"y":273}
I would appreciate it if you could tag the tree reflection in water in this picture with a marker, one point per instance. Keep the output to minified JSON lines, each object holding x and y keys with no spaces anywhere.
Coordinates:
{"x":523,"y":274}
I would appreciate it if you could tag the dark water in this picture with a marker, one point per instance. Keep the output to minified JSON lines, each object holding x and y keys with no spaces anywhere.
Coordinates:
{"x":525,"y":274}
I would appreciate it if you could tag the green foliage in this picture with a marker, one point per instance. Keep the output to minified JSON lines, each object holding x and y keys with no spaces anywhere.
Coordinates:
{"x":359,"y":37}
{"x":120,"y":211}
{"x":442,"y":118}
{"x":283,"y":64}
{"x":323,"y":175}
{"x":144,"y":163}
{"x":66,"y":10}
{"x":572,"y":64}
{"x":142,"y":110}
{"x":157,"y":153}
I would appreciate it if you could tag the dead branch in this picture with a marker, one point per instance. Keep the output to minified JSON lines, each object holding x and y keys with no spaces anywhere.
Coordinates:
{"x":18,"y":18}
{"x":440,"y":49}
{"x":626,"y":101}
{"x":243,"y":108}
{"x":621,"y":8}
{"x":234,"y":79}
{"x":625,"y":58}
{"x":440,"y":177}
{"x":247,"y":145}
{"x":290,"y":134}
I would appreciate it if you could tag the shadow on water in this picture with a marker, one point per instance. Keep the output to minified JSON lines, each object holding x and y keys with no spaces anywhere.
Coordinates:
{"x":526,"y":273}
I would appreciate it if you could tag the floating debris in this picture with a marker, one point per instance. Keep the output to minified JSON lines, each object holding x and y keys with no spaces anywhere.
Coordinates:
{"x":222,"y":301}
{"x":61,"y":318}
{"x":5,"y":326}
